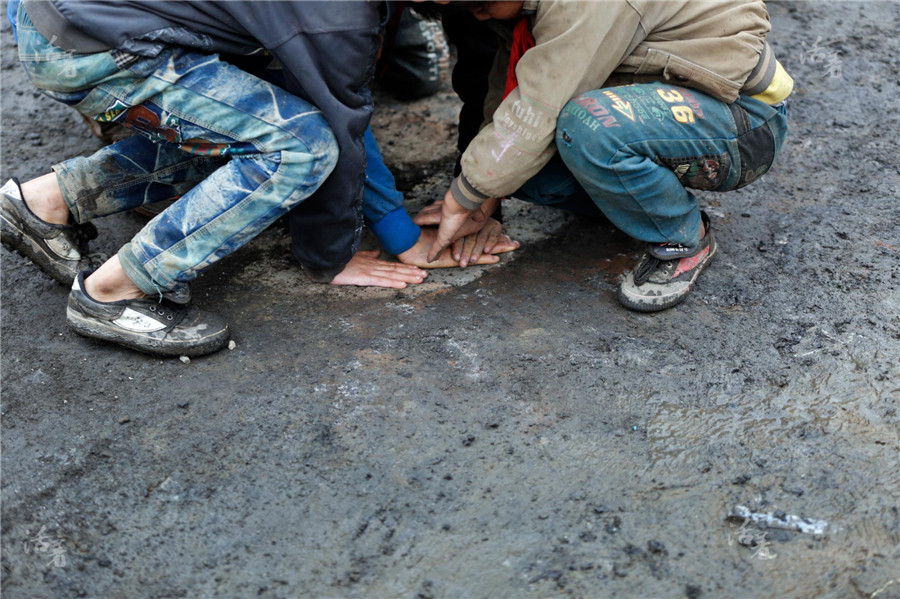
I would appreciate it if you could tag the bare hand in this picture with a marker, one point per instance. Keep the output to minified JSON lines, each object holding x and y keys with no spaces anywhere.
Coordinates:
{"x":453,"y":218}
{"x":431,"y":215}
{"x":418,"y":254}
{"x":366,"y":270}
{"x":489,"y":240}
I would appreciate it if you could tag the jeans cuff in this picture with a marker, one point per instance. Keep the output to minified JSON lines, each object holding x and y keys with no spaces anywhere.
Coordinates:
{"x":136,"y":271}
{"x":62,"y":175}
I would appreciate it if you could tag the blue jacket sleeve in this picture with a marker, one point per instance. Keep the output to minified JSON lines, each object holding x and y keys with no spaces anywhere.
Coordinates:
{"x":383,"y":204}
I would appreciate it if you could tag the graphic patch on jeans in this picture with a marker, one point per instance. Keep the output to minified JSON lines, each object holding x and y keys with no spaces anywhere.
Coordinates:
{"x":590,"y":112}
{"x":112,"y":112}
{"x":620,"y":105}
{"x":154,"y":123}
{"x":208,"y":148}
{"x":706,"y":172}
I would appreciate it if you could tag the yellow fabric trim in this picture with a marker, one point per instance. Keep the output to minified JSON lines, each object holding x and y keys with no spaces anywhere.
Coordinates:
{"x":780,"y":88}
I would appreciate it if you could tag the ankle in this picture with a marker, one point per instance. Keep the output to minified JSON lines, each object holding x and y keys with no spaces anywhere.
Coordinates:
{"x":44,"y":198}
{"x":109,"y":283}
{"x":105,"y":291}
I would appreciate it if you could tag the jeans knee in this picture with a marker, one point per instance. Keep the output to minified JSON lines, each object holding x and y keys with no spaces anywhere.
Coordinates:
{"x":314,"y":143}
{"x":779,"y":126}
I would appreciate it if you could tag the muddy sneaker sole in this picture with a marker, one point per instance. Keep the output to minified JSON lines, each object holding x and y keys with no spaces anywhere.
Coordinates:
{"x":161,"y":328}
{"x":51,"y":247}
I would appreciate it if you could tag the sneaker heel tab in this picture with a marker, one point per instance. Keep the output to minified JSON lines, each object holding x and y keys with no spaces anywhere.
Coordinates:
{"x":78,"y":283}
{"x":13,"y":188}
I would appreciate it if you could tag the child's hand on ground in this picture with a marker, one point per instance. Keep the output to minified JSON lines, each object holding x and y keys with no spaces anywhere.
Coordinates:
{"x":456,"y":222}
{"x":474,"y":245}
{"x":489,"y":240}
{"x":431,"y":215}
{"x":366,"y":270}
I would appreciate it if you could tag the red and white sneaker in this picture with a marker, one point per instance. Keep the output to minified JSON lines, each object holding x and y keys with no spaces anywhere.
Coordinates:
{"x":665,"y":274}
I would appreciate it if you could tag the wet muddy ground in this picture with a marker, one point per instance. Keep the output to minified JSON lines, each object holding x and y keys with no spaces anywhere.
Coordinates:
{"x":507,"y":431}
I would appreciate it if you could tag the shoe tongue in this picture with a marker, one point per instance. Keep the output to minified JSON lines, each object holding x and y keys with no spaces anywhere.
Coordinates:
{"x":670,"y":251}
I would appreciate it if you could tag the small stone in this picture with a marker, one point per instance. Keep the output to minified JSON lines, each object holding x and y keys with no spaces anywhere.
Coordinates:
{"x":781,"y":536}
{"x":231,"y":344}
{"x":185,"y":359}
{"x":124,"y":419}
{"x":692,"y":591}
{"x":613,"y":527}
{"x":655,"y":546}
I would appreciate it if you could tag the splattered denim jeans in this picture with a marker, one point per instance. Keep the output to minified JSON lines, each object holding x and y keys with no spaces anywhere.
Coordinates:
{"x":634,"y":152}
{"x":237,"y":151}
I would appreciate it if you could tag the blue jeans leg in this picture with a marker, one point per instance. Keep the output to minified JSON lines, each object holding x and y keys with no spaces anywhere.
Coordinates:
{"x":636,"y":149}
{"x":130,"y":173}
{"x":279,"y":149}
{"x":556,"y":186}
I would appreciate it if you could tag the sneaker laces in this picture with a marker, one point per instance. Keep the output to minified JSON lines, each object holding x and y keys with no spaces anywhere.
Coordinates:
{"x":648,"y":266}
{"x":645,"y":269}
{"x":172,"y":313}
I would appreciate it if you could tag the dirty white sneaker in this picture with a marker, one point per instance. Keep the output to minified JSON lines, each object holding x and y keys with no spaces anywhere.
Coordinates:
{"x":155,"y":325}
{"x":58,"y":250}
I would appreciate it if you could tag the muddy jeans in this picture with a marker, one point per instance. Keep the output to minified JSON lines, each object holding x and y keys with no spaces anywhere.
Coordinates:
{"x":239,"y":151}
{"x":633,"y":151}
